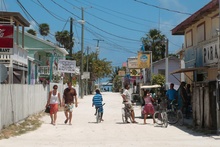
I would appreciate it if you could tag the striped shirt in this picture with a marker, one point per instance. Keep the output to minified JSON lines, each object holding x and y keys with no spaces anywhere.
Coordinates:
{"x":97,"y":100}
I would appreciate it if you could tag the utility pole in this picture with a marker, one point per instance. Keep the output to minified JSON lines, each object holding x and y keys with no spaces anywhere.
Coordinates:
{"x":97,"y":51}
{"x":71,"y":44}
{"x":97,"y":46}
{"x":87,"y":69}
{"x":82,"y":46}
{"x":166,"y":63}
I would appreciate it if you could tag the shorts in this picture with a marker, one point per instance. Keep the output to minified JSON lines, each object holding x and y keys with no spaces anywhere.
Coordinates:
{"x":53,"y":108}
{"x":68,"y":107}
{"x":129,"y":107}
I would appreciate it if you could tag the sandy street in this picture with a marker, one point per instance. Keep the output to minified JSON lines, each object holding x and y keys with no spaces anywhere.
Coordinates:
{"x":111,"y":133}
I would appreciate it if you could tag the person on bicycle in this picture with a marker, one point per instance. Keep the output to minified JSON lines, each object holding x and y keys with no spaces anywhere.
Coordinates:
{"x":97,"y":102}
{"x":127,"y":101}
{"x":171,"y":95}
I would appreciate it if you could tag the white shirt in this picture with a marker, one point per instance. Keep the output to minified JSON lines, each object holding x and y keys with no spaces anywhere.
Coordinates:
{"x":127,"y":95}
{"x":54,"y":98}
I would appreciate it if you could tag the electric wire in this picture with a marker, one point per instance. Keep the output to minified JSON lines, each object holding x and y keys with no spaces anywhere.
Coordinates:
{"x":162,"y":8}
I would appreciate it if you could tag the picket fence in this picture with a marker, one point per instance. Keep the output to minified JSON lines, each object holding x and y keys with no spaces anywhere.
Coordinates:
{"x":18,"y":101}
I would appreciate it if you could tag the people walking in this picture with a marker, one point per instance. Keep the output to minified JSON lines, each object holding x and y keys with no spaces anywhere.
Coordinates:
{"x":97,"y":102}
{"x":53,"y":101}
{"x":148,"y":107}
{"x":69,"y":99}
{"x":127,"y":101}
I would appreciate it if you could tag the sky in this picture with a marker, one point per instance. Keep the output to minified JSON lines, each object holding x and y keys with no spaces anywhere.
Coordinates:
{"x":120,"y":24}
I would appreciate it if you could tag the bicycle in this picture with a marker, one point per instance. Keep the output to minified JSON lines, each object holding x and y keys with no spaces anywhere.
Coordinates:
{"x":126,"y":113}
{"x":174,"y":114}
{"x":99,"y":111}
{"x":160,"y":116}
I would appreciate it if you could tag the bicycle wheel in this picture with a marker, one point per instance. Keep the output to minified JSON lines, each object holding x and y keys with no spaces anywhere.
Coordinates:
{"x":165,"y":119}
{"x":180,"y":117}
{"x":158,"y":117}
{"x":172,"y":117}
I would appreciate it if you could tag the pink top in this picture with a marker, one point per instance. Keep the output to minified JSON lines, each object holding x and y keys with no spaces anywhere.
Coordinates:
{"x":147,"y":99}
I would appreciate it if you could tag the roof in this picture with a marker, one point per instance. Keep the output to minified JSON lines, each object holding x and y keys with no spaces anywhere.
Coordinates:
{"x":17,"y":17}
{"x":188,"y":70}
{"x":150,"y":86}
{"x":210,"y":7}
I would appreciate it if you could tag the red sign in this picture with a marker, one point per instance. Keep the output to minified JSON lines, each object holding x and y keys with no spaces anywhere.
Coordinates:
{"x":6,"y":36}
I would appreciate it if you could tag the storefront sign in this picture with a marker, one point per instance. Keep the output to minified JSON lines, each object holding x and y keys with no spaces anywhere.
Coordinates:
{"x":143,"y":60}
{"x":67,"y":66}
{"x":6,"y":39}
{"x":132,"y":63}
{"x":210,"y":53}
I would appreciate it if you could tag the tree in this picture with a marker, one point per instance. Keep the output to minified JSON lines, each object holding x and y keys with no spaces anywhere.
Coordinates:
{"x":63,"y":38}
{"x":158,"y":79}
{"x":154,"y":41}
{"x":32,"y":32}
{"x":44,"y":29}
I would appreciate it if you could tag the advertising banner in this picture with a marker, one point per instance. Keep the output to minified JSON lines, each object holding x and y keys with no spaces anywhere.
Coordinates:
{"x":6,"y":39}
{"x":67,"y":66}
{"x":132,"y":63}
{"x":143,"y":60}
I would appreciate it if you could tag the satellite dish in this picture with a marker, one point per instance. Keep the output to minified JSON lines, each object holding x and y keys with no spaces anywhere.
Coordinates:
{"x":3,"y":72}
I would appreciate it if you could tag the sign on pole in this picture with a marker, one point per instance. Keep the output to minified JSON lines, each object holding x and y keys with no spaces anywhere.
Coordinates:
{"x":6,"y":39}
{"x":67,"y":66}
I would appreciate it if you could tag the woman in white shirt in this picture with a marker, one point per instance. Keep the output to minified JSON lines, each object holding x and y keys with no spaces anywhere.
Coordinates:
{"x":53,"y":101}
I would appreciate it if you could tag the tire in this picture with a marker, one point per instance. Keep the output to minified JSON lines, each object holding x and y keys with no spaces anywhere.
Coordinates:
{"x":172,"y":117}
{"x":165,"y":119}
{"x":158,"y":118}
{"x":180,"y":117}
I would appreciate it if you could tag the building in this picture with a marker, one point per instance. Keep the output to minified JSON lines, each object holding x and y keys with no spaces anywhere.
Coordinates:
{"x":13,"y":56}
{"x":200,"y":54}
{"x":158,"y":67}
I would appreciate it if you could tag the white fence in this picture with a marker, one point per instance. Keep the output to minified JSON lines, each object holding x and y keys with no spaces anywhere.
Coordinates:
{"x":19,"y":101}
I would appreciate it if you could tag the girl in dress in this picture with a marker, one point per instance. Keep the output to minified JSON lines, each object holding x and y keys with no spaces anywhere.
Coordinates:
{"x":148,"y":107}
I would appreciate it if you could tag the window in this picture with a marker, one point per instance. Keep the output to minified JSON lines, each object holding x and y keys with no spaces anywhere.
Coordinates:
{"x":161,"y":71}
{"x":215,"y":25}
{"x":201,"y":32}
{"x":189,"y":38}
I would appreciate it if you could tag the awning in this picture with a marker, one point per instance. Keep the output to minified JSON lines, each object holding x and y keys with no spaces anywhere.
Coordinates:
{"x":188,"y":70}
{"x":150,"y":86}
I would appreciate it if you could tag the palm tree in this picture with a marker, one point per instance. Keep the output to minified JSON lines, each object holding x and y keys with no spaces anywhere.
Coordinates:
{"x":154,"y":41}
{"x":32,"y":32}
{"x":44,"y":29}
{"x":63,"y":38}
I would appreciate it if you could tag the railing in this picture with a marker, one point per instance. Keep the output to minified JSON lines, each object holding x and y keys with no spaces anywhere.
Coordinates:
{"x":19,"y":55}
{"x":45,"y":70}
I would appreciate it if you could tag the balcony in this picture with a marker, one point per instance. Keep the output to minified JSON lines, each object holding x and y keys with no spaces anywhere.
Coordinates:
{"x":45,"y":70}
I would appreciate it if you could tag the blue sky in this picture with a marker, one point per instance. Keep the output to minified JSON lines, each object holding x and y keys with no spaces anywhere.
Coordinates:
{"x":120,"y":23}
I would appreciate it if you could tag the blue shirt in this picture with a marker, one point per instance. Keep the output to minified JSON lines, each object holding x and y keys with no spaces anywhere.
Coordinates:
{"x":171,"y":94}
{"x":97,"y":100}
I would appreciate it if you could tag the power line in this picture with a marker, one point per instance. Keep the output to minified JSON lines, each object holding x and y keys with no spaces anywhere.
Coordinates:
{"x":133,"y":17}
{"x":175,"y":11}
{"x":51,"y":13}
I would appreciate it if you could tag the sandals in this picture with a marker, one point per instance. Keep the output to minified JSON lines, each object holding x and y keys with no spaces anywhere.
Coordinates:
{"x":66,"y":121}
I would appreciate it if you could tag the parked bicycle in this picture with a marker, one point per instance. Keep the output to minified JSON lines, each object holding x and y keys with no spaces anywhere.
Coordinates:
{"x":160,"y":116}
{"x":174,"y":114}
{"x":99,"y":113}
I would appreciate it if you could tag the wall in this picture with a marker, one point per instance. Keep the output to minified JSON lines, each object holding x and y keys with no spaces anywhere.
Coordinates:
{"x":18,"y":101}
